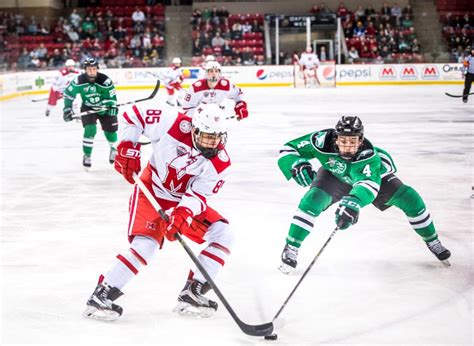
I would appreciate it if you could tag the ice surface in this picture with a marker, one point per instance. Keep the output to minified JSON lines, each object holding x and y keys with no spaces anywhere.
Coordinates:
{"x":375,"y":283}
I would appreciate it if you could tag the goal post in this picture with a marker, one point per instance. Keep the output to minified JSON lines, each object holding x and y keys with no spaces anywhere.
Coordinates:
{"x":325,"y":76}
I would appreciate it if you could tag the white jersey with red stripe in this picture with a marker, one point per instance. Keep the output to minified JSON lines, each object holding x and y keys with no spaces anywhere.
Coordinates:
{"x":179,"y":172}
{"x":63,"y":80}
{"x":199,"y":92}
{"x":309,"y":60}
{"x":172,"y":76}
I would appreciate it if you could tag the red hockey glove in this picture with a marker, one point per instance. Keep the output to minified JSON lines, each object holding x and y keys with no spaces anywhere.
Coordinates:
{"x":127,"y":160}
{"x":176,"y":85}
{"x":241,"y":110}
{"x":180,"y":221}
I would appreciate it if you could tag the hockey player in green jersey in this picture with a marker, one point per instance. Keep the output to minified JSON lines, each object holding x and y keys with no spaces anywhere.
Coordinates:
{"x":97,"y":91}
{"x":354,"y":174}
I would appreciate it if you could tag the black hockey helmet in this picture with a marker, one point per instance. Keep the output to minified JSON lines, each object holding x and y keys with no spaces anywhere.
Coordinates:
{"x":90,"y":61}
{"x":349,"y":126}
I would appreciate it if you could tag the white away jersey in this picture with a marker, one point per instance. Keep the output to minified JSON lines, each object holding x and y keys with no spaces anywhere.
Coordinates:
{"x":309,"y":60}
{"x":172,"y":75}
{"x":179,"y":172}
{"x":63,"y":80}
{"x":199,"y":92}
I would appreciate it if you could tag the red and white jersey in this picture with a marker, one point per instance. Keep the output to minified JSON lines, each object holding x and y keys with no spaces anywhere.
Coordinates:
{"x":309,"y":60}
{"x":199,"y":92}
{"x":179,"y":171}
{"x":172,"y":76}
{"x":63,"y":80}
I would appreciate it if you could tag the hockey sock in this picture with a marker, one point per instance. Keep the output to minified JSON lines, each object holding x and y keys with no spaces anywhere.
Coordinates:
{"x":300,"y":227}
{"x":111,"y":138}
{"x":129,"y":263}
{"x":311,"y":205}
{"x":213,"y":257}
{"x":411,"y":203}
{"x":88,"y":139}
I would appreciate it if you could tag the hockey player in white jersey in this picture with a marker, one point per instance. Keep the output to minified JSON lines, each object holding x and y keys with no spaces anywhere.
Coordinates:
{"x":188,"y":165}
{"x":214,"y":89}
{"x":309,"y":64}
{"x":67,"y":74}
{"x":202,"y":67}
{"x":172,"y":79}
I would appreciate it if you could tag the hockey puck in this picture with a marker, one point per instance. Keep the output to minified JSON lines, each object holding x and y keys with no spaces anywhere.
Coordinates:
{"x":271,"y":337}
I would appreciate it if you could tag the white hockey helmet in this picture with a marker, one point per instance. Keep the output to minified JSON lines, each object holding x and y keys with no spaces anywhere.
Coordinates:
{"x":70,"y":62}
{"x":176,"y":61}
{"x":210,"y":57}
{"x":212,"y":65}
{"x":209,"y":129}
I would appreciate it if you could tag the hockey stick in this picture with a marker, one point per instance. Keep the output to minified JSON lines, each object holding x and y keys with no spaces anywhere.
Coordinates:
{"x":99,"y":109}
{"x":253,"y":330}
{"x":40,"y":100}
{"x":304,"y":274}
{"x":451,"y":95}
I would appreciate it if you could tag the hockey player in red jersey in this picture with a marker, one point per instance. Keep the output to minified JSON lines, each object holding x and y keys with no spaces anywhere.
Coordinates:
{"x":188,"y":165}
{"x":68,"y":73}
{"x":214,"y":89}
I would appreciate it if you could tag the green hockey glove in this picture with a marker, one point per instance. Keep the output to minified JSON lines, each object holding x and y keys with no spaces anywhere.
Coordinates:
{"x":111,"y":104}
{"x":347,"y":212}
{"x":67,"y":114}
{"x":303,"y":173}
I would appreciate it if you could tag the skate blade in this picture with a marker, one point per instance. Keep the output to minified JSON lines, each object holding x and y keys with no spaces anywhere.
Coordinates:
{"x":87,"y":169}
{"x":100,"y":315}
{"x":286,"y":269}
{"x":446,"y":263}
{"x":188,"y":310}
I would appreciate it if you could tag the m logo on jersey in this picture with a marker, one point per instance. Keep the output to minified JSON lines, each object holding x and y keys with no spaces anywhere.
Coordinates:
{"x":176,"y":181}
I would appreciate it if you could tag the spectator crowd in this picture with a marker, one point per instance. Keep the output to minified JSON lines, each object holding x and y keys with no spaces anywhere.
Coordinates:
{"x":117,"y":36}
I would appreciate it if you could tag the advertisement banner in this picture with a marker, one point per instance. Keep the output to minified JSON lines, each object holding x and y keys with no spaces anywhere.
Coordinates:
{"x":373,"y":74}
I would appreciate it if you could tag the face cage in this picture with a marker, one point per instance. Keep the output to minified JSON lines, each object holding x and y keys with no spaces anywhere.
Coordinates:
{"x":347,"y":156}
{"x":215,"y":78}
{"x":209,"y":153}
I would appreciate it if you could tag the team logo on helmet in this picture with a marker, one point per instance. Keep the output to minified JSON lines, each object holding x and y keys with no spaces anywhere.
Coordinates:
{"x":185,"y":126}
{"x":223,"y":156}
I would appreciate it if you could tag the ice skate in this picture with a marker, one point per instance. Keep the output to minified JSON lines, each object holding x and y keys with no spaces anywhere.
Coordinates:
{"x":47,"y":112}
{"x":288,"y":258}
{"x":112,"y":155}
{"x":87,"y":162}
{"x":100,"y":305}
{"x":439,"y":251}
{"x":192,"y":303}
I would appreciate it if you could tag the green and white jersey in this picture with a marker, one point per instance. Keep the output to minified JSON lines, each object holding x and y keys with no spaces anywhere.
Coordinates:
{"x":92,"y":94}
{"x":363,"y":173}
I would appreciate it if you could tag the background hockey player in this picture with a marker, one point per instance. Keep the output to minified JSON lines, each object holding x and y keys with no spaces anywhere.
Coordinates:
{"x":67,"y":74}
{"x":202,"y":67}
{"x":309,"y":64}
{"x":468,"y":74}
{"x":188,"y":165}
{"x":172,"y":79}
{"x":214,"y":89}
{"x":354,"y":174}
{"x":97,"y":93}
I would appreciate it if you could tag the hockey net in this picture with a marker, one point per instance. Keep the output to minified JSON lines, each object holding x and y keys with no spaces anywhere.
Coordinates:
{"x":325,"y":76}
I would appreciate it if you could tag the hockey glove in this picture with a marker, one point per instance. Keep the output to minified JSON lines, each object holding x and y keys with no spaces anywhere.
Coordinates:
{"x":303,"y":173}
{"x":179,"y":222}
{"x":110,"y":108}
{"x":67,"y":114}
{"x":127,"y":160}
{"x":347,"y":212}
{"x":241,"y":110}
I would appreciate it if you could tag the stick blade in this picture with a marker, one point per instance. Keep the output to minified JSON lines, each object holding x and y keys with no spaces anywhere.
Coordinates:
{"x":257,"y":330}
